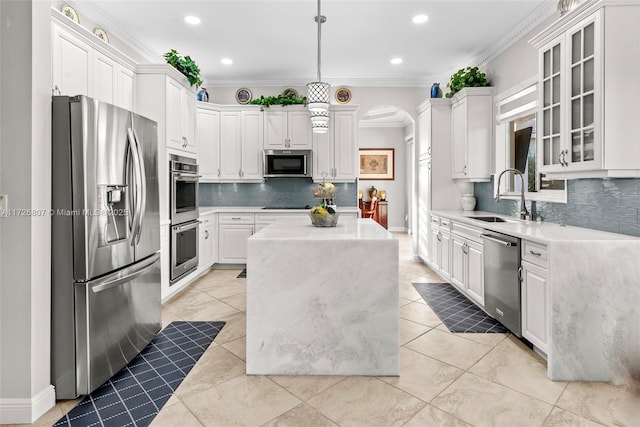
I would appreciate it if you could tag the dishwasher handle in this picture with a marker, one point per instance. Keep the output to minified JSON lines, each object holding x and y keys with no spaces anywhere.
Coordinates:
{"x":500,"y":241}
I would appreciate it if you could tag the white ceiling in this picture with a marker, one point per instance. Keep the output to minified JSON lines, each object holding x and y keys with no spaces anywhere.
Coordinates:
{"x":274,"y":42}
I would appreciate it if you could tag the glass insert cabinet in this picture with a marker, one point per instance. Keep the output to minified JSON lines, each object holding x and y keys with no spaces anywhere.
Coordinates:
{"x":570,"y":81}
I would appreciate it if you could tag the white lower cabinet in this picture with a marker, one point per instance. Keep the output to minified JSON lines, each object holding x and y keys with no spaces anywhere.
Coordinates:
{"x":233,"y":231}
{"x":467,"y":272}
{"x":535,"y":305}
{"x":165,"y":262}
{"x":440,"y":247}
{"x":206,"y":242}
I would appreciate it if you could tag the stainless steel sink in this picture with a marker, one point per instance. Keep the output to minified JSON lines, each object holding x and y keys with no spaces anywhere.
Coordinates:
{"x":488,"y":218}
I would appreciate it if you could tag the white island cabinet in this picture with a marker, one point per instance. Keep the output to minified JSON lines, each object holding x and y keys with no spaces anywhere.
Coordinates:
{"x":322,"y":300}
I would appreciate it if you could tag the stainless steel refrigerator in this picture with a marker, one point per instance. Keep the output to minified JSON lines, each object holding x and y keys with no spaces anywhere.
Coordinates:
{"x":105,"y":241}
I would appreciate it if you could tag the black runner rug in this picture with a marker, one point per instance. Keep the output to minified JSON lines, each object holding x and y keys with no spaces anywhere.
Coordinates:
{"x":135,"y":395}
{"x":454,"y":309}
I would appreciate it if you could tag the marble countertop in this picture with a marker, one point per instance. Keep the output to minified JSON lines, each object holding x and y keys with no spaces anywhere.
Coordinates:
{"x":360,"y":230}
{"x":543,"y":232}
{"x":204,"y":210}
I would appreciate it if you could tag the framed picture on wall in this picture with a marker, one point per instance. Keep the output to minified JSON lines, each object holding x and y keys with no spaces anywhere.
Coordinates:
{"x":376,"y":164}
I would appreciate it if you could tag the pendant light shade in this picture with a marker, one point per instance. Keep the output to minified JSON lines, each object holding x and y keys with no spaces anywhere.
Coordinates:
{"x":318,"y":91}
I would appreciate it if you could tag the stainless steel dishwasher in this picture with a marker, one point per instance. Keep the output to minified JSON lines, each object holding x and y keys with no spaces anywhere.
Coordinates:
{"x":502,"y":279}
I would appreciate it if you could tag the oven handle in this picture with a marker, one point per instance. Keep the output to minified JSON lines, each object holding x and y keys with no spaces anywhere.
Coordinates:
{"x":189,"y":226}
{"x":186,"y":175}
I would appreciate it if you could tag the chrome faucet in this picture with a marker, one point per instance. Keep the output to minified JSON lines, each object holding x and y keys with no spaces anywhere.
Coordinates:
{"x":524,"y":213}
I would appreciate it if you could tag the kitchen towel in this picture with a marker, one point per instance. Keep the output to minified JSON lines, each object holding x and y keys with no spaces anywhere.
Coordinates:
{"x":456,"y":312}
{"x":135,"y":395}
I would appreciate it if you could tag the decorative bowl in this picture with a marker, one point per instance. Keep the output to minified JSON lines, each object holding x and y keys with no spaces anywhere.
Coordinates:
{"x":319,"y":220}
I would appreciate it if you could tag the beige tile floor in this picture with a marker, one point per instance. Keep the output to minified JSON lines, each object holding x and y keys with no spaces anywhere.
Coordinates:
{"x":445,"y":379}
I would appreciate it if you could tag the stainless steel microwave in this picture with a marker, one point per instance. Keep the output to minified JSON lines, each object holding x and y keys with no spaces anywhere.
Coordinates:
{"x":287,"y":163}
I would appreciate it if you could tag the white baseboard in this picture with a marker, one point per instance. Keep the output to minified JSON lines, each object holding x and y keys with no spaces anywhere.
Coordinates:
{"x":25,"y":410}
{"x":397,"y":229}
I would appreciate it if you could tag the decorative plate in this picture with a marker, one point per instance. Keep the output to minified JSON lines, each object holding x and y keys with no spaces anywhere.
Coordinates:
{"x":290,"y":92}
{"x":70,"y":13}
{"x":343,"y":95}
{"x":243,"y":95}
{"x":101,"y":34}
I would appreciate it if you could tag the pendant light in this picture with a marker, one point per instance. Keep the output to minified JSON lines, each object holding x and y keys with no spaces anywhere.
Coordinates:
{"x":318,"y":91}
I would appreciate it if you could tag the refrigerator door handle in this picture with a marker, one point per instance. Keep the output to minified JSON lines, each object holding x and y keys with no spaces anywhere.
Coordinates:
{"x":143,"y":187}
{"x":110,"y":281}
{"x":133,"y":145}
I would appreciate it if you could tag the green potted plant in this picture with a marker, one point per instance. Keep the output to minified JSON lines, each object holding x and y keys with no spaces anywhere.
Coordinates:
{"x":185,"y":65}
{"x":287,"y":97}
{"x":466,"y":77}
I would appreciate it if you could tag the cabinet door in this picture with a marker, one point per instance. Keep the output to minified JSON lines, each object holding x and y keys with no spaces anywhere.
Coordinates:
{"x":458,"y":262}
{"x":535,"y":309}
{"x":445,"y":254}
{"x":322,"y":156}
{"x":275,"y":130}
{"x":71,"y":64}
{"x":299,"y":130}
{"x":230,"y":145}
{"x":233,"y":243}
{"x":208,"y":141}
{"x":174,"y":115}
{"x":424,"y":192}
{"x":424,"y":133}
{"x":126,"y":88}
{"x":205,"y":254}
{"x":583,"y":84}
{"x":345,"y":146}
{"x":252,"y":143}
{"x":434,"y":247}
{"x":474,"y":272}
{"x":105,"y":76}
{"x":188,"y":120}
{"x":551,"y":151}
{"x":459,"y":139}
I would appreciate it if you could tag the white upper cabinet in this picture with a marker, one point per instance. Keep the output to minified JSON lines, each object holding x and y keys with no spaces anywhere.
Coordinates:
{"x":208,"y":142}
{"x":181,"y":105}
{"x":335,"y":152}
{"x":82,"y":64}
{"x":288,"y":127}
{"x":241,"y":142}
{"x":587,"y":107}
{"x":472,"y":134}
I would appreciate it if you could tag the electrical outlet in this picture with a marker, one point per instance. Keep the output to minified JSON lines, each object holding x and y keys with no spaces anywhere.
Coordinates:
{"x":4,"y":202}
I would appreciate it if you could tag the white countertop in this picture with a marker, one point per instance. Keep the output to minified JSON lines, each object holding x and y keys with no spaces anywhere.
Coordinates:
{"x":362,"y":229}
{"x":543,"y":232}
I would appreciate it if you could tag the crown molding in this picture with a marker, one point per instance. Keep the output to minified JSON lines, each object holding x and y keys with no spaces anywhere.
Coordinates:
{"x":539,"y":15}
{"x":100,"y":16}
{"x":419,"y":82}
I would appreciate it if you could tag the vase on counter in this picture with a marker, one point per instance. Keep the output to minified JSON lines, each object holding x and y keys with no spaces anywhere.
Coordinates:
{"x":203,"y":95}
{"x":468,"y":202}
{"x":435,"y":91}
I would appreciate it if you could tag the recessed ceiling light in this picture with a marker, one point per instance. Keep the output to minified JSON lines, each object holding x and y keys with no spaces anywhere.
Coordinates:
{"x":226,"y":61}
{"x":193,"y":20}
{"x":396,"y":61}
{"x":420,"y":19}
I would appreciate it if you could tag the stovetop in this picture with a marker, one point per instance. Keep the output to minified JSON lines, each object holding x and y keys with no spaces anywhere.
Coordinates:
{"x":287,"y":207}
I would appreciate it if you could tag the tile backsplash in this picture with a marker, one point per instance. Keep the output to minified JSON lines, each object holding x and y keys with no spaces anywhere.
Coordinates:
{"x":601,"y":204}
{"x":275,"y":192}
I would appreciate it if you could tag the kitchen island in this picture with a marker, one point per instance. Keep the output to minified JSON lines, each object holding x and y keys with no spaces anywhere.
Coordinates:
{"x":322,"y":300}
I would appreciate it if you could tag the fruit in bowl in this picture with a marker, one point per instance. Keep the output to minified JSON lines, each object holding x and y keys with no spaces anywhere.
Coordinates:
{"x":323,"y":217}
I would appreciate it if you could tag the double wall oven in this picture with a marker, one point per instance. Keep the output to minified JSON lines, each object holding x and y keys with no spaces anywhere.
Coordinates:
{"x":184,"y":180}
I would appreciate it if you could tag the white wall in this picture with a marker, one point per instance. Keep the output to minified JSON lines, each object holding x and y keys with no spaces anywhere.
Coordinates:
{"x":25,"y":159}
{"x":396,"y":189}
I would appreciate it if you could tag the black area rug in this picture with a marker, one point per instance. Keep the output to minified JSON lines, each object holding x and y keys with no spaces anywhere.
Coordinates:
{"x":135,"y":395}
{"x":243,"y":274}
{"x":454,"y":309}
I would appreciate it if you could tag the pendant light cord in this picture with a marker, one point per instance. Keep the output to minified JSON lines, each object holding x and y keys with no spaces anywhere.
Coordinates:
{"x":320,"y":20}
